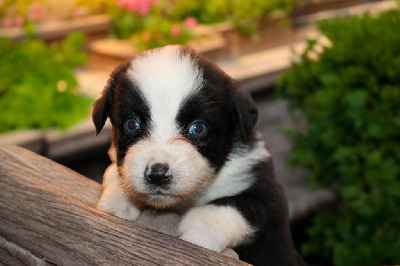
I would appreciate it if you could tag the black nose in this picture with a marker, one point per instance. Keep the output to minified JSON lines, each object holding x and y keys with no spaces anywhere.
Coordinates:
{"x":158,"y":175}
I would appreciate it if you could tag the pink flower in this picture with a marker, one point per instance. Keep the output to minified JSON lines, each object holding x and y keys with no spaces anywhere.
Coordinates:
{"x":176,"y":30}
{"x":132,"y":5}
{"x":145,"y":6}
{"x":190,"y":22}
{"x":19,"y":21}
{"x":144,"y":10}
{"x":141,"y":6}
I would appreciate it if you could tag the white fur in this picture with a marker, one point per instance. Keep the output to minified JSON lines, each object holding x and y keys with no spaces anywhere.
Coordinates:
{"x":215,"y":227}
{"x":113,"y":200}
{"x":165,"y":77}
{"x":235,"y":176}
{"x":112,"y":153}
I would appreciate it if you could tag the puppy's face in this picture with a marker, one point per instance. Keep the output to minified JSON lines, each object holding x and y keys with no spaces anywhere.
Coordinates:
{"x":175,"y":118}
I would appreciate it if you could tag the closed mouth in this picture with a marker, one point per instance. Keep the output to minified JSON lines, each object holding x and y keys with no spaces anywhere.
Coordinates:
{"x":161,"y":198}
{"x":159,"y":192}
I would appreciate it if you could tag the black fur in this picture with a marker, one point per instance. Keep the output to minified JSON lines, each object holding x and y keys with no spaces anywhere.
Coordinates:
{"x":102,"y":105}
{"x":131,"y":104}
{"x":219,"y":85}
{"x":202,"y":107}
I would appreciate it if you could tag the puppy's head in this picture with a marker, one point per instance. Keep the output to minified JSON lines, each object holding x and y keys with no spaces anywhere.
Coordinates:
{"x":175,"y":118}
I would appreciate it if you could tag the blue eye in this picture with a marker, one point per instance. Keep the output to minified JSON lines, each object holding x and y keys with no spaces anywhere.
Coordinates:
{"x":197,"y":129}
{"x":132,"y":125}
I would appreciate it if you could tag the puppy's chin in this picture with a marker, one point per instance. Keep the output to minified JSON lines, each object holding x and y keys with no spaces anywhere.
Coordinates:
{"x":161,"y":200}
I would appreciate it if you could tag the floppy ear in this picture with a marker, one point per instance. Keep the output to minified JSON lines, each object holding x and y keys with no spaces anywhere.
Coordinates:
{"x":246,"y":111}
{"x":101,"y":107}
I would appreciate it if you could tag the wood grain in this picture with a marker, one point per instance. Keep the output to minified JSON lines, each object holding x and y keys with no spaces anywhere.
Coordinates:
{"x":11,"y":254}
{"x":49,"y":211}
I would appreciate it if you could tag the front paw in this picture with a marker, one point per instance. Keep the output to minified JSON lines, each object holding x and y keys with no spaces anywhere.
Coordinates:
{"x":118,"y":205}
{"x":215,"y":227}
{"x":201,"y":235}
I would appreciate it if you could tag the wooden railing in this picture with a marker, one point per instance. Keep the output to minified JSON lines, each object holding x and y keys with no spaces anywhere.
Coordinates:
{"x":48,"y":216}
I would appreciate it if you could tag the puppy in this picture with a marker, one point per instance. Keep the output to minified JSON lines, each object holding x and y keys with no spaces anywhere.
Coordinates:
{"x":183,"y":140}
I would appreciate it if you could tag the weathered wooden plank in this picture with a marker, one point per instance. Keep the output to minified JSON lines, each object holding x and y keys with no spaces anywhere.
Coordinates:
{"x":11,"y":254}
{"x":50,"y":211}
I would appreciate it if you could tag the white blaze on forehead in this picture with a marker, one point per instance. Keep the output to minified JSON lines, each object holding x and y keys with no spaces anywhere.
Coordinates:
{"x":166,"y":77}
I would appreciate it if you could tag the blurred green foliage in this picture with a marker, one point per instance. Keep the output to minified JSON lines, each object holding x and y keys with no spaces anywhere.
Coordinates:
{"x":125,"y":23}
{"x":205,"y":11}
{"x":159,"y":32}
{"x":148,"y":24}
{"x":244,"y":15}
{"x":350,"y":98}
{"x":38,"y":85}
